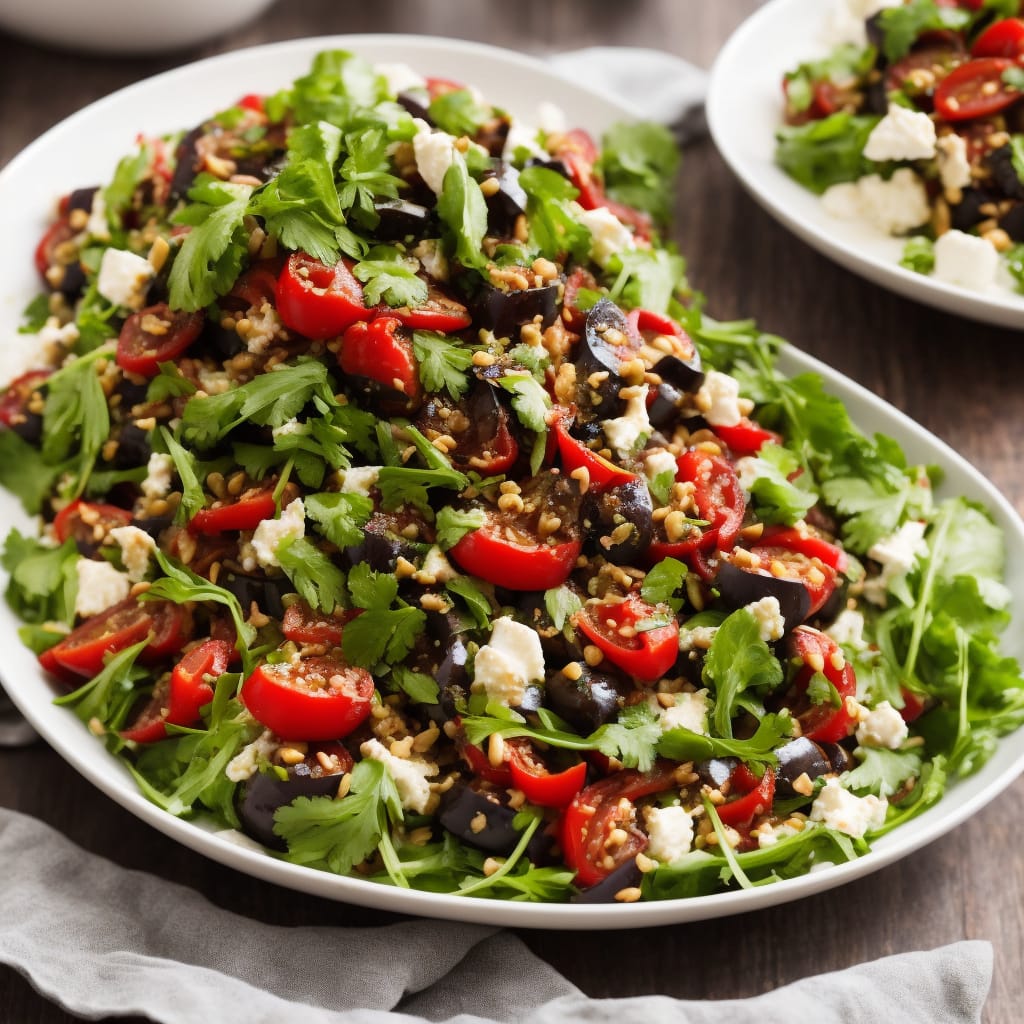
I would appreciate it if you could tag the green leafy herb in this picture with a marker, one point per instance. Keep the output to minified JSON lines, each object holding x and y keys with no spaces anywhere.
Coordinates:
{"x":418,"y":687}
{"x":881,"y":771}
{"x":35,"y":314}
{"x":387,"y":628}
{"x":663,"y":583}
{"x":459,"y":113}
{"x":529,"y":400}
{"x":339,"y":517}
{"x":775,"y":486}
{"x":474,"y":599}
{"x":555,"y":231}
{"x":463,"y":211}
{"x":43,"y":580}
{"x":639,"y":161}
{"x":442,"y":363}
{"x":315,"y":577}
{"x":845,"y":63}
{"x":193,"y":498}
{"x":902,"y":25}
{"x":23,"y":473}
{"x":452,"y":524}
{"x":823,"y":153}
{"x":390,"y":277}
{"x":366,"y":175}
{"x":561,"y":604}
{"x":918,"y":254}
{"x":169,"y":383}
{"x":647,"y":278}
{"x":683,"y":744}
{"x":128,"y":175}
{"x":109,"y":695}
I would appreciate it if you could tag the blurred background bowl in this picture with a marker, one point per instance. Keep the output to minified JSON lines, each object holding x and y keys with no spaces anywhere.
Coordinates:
{"x":127,"y":27}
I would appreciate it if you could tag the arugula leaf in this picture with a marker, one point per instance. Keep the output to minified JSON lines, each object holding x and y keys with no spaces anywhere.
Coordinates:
{"x":211,"y":256}
{"x":639,"y":161}
{"x":110,"y":694}
{"x":477,"y":604}
{"x":681,"y":744}
{"x":193,"y":498}
{"x":23,"y":473}
{"x":662,"y":584}
{"x":918,"y":254}
{"x":35,"y":314}
{"x":43,"y":580}
{"x":339,"y":517}
{"x":554,"y":230}
{"x":390,"y":277}
{"x":463,"y":211}
{"x":452,"y":524}
{"x":823,"y":153}
{"x":315,"y":577}
{"x":417,"y":686}
{"x":442,"y":363}
{"x":738,"y":660}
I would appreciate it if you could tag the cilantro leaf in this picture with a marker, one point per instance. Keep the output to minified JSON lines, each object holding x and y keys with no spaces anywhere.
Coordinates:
{"x":561,"y":604}
{"x":452,"y":524}
{"x":390,"y":277}
{"x":43,"y":580}
{"x":882,"y":771}
{"x":417,"y":686}
{"x":211,"y":256}
{"x":130,"y":171}
{"x":529,"y":400}
{"x":442,"y":363}
{"x":639,"y":161}
{"x":366,"y":175}
{"x":554,"y":230}
{"x":315,"y":577}
{"x":771,"y":478}
{"x":682,"y":744}
{"x":902,"y":25}
{"x":632,"y":739}
{"x":823,"y":153}
{"x":847,"y":61}
{"x":380,"y":633}
{"x":662,"y":584}
{"x":647,"y":278}
{"x":463,"y":211}
{"x":458,"y":112}
{"x":339,"y":517}
{"x":169,"y":383}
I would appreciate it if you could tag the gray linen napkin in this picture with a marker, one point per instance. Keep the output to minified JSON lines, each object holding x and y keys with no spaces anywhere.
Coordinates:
{"x":99,"y":939}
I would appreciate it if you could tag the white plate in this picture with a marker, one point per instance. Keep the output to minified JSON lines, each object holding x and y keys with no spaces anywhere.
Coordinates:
{"x":96,"y":136}
{"x":744,"y":109}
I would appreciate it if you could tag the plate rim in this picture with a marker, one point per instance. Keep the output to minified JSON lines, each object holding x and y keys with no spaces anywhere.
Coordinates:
{"x":110,"y":777}
{"x":783,"y":199}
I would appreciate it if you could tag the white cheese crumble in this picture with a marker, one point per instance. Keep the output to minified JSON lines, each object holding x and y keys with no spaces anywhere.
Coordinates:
{"x":954,"y":167}
{"x":509,"y":661}
{"x":608,"y":235}
{"x":408,"y":774}
{"x":214,"y":382}
{"x":882,"y":726}
{"x":100,"y":585}
{"x":97,"y":225}
{"x":359,"y":480}
{"x":265,"y":327}
{"x":400,"y":77}
{"x":288,"y":428}
{"x":897,"y":554}
{"x":903,"y":134}
{"x":522,"y":136}
{"x":690,"y":711}
{"x":52,"y":333}
{"x":768,"y":835}
{"x":624,"y":432}
{"x":158,"y":475}
{"x":434,"y":152}
{"x":436,"y":568}
{"x":551,"y":117}
{"x":432,"y":258}
{"x":123,"y":277}
{"x":846,"y":812}
{"x":136,"y":548}
{"x":895,"y":206}
{"x":966,"y":260}
{"x":246,"y":762}
{"x":718,"y":399}
{"x":270,"y":533}
{"x":659,"y":461}
{"x":771,"y":623}
{"x":848,"y":629}
{"x":670,"y":833}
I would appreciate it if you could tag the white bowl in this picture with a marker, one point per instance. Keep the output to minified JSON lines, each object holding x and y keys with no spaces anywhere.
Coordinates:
{"x":125,"y":26}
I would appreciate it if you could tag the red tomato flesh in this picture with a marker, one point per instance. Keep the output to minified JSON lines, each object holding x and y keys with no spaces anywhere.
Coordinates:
{"x":154,"y":335}
{"x":646,"y":654}
{"x":318,"y":301}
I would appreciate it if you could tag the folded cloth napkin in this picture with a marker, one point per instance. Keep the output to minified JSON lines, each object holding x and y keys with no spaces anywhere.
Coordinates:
{"x":72,"y":925}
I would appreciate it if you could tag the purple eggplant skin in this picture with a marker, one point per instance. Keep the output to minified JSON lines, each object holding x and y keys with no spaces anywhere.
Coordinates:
{"x":740,"y":587}
{"x":82,"y":198}
{"x":267,"y":591}
{"x":508,"y":202}
{"x":186,"y":162}
{"x":264,"y":793}
{"x":605,"y":513}
{"x":400,"y":219}
{"x":417,"y":104}
{"x":133,"y":447}
{"x":588,"y":702}
{"x":664,"y":410}
{"x":715,"y":772}
{"x":839,"y":757}
{"x":461,"y":807}
{"x":685,"y":374}
{"x":799,"y":757}
{"x":598,"y":355}
{"x":503,"y":313}
{"x":625,"y":876}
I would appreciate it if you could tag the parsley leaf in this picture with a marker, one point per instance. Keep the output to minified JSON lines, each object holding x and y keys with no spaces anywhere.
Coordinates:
{"x":662,"y":584}
{"x":315,"y":577}
{"x":339,"y":517}
{"x":390,"y":277}
{"x":419,"y":687}
{"x":647,"y":278}
{"x":902,"y":25}
{"x":452,"y":524}
{"x":211,"y":256}
{"x":529,"y":400}
{"x":844,"y":63}
{"x":130,"y":171}
{"x":169,"y":383}
{"x":366,"y":175}
{"x":43,"y":580}
{"x":554,"y":230}
{"x":477,"y":604}
{"x":458,"y":113}
{"x":442,"y":363}
{"x":918,"y":254}
{"x":380,"y":633}
{"x":23,"y":473}
{"x":561,"y":604}
{"x":639,"y":161}
{"x":882,"y":771}
{"x":632,"y":739}
{"x":823,"y":153}
{"x":770,"y":478}
{"x":463,"y":211}
{"x":681,"y":744}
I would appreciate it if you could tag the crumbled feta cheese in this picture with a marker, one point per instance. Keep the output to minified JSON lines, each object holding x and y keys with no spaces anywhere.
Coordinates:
{"x":966,"y":260}
{"x":954,"y":167}
{"x":136,"y":548}
{"x":771,"y":623}
{"x":247,"y":555}
{"x":845,"y":22}
{"x":123,"y":277}
{"x":897,"y":554}
{"x":903,"y":134}
{"x":882,"y":726}
{"x":246,"y":762}
{"x":848,"y":629}
{"x":289,"y":427}
{"x":846,"y":812}
{"x":522,"y":136}
{"x":264,"y":328}
{"x":608,"y":235}
{"x":408,"y":774}
{"x":158,"y":475}
{"x":99,"y":586}
{"x":768,"y":835}
{"x":359,"y":480}
{"x":551,"y":117}
{"x":894,"y":206}
{"x":625,"y":432}
{"x":272,"y":532}
{"x":432,"y":258}
{"x":434,"y":152}
{"x":658,"y":461}
{"x":669,"y":831}
{"x":214,"y":382}
{"x":436,"y":568}
{"x":509,"y":661}
{"x":690,"y":711}
{"x":97,"y":225}
{"x":718,"y":399}
{"x":400,"y":77}
{"x":698,"y":638}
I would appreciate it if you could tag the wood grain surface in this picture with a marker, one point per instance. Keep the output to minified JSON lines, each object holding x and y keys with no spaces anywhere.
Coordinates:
{"x":961,"y":380}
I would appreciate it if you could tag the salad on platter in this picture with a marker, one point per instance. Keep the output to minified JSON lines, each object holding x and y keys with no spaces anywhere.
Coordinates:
{"x":401,"y":508}
{"x":912,"y":123}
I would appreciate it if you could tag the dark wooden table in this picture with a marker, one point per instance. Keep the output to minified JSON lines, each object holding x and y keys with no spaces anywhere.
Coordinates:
{"x":959,"y":379}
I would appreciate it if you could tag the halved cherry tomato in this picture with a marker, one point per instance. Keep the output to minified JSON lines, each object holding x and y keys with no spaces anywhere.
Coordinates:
{"x":188,"y":692}
{"x":789,"y":555}
{"x":717,"y":493}
{"x":823,"y":723}
{"x":58,"y":232}
{"x":438,"y":313}
{"x":440,"y":86}
{"x":807,"y":544}
{"x":318,"y":301}
{"x":753,"y":797}
{"x":245,"y":514}
{"x":531,"y":775}
{"x":489,"y":554}
{"x":481,"y":767}
{"x":83,"y":650}
{"x":303,"y":625}
{"x":154,"y":335}
{"x":976,"y":89}
{"x":258,"y":284}
{"x":1003,"y":38}
{"x":381,"y":350}
{"x":646,"y":654}
{"x":649,"y":325}
{"x":914,"y":705}
{"x":252,"y":101}
{"x":87,"y":523}
{"x":313,"y":699}
{"x":575,"y":455}
{"x":595,"y":812}
{"x":747,"y":437}
{"x":14,"y":401}
{"x":578,"y":280}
